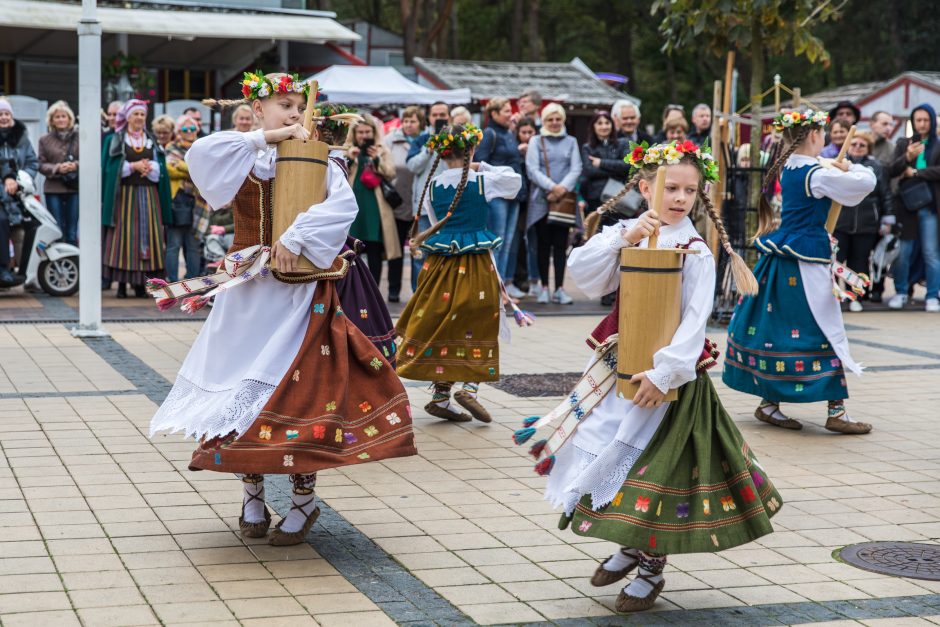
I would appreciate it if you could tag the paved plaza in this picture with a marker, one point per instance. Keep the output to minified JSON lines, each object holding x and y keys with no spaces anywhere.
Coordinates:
{"x":100,"y":525}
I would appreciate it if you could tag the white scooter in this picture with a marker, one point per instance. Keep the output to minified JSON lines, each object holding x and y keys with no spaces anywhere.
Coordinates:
{"x":49,"y":264}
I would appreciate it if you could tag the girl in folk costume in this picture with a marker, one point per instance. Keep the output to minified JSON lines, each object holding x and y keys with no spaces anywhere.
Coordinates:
{"x":655,"y":477}
{"x":449,"y":329}
{"x":279,"y":380}
{"x":788,"y":343}
{"x":136,"y":201}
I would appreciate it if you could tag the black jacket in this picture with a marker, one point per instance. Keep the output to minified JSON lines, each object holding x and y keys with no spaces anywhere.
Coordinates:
{"x":641,"y":136}
{"x":611,"y":154}
{"x":931,"y":174}
{"x":865,"y":217}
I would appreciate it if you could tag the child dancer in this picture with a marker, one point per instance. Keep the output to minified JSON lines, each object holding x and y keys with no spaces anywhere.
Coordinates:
{"x":655,"y":477}
{"x":449,"y":329}
{"x":279,"y":379}
{"x":788,"y":343}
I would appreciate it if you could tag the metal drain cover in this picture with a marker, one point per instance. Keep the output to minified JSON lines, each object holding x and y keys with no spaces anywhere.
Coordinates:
{"x":901,"y":559}
{"x":530,"y":385}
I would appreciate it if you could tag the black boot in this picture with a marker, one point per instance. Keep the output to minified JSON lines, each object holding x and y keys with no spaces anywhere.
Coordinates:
{"x":122,"y":290}
{"x":8,"y":279}
{"x":140,"y":291}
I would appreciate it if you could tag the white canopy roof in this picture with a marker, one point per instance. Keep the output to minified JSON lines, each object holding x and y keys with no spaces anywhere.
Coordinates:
{"x":176,"y":24}
{"x":374,"y":85}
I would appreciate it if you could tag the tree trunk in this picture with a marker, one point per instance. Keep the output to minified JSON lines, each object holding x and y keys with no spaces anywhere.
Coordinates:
{"x":515,"y":31}
{"x":535,"y":43}
{"x":454,"y":36}
{"x":757,"y":87}
{"x":409,"y":27}
{"x":671,"y":79}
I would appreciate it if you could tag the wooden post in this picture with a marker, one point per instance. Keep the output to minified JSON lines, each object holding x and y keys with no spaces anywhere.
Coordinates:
{"x":716,"y":191}
{"x":797,"y":96}
{"x":656,"y":203}
{"x":776,"y":93}
{"x":311,"y":103}
{"x":835,"y":209}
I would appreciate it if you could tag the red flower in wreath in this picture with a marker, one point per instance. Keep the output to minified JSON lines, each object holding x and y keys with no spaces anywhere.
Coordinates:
{"x":637,"y":155}
{"x":246,"y":91}
{"x":687,"y":146}
{"x":283,"y":85}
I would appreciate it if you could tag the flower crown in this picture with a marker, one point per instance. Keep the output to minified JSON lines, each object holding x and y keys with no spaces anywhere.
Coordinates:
{"x":642,"y":155}
{"x":444,"y":142}
{"x":326,"y":110}
{"x":794,"y":118}
{"x":256,"y":85}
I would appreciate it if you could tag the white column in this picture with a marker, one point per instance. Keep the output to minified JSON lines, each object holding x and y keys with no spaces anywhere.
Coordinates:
{"x":89,"y":182}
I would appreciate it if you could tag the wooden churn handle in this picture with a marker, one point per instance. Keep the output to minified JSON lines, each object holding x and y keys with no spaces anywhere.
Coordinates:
{"x":656,"y":204}
{"x":311,"y":103}
{"x":835,"y":209}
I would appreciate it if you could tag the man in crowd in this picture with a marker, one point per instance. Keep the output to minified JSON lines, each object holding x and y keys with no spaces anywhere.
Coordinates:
{"x":701,"y":123}
{"x":113,"y":109}
{"x":882,"y":125}
{"x":626,"y":115}
{"x":845,"y":111}
{"x":529,"y":104}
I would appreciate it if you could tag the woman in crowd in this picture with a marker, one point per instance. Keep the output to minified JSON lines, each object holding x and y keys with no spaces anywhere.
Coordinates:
{"x":163,"y":128}
{"x":460,"y":115}
{"x":136,"y":201}
{"x":501,"y":148}
{"x":58,"y":162}
{"x":370,"y":162}
{"x":676,"y":129}
{"x":838,"y":131}
{"x":602,"y":158}
{"x":243,"y":120}
{"x":399,"y":143}
{"x":523,"y":255}
{"x":182,"y":235}
{"x":858,"y":226}
{"x":16,"y":153}
{"x":553,"y":162}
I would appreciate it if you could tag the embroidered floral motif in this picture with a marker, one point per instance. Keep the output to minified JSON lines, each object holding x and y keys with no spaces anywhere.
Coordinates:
{"x":363,"y":456}
{"x":376,"y":363}
{"x":492,"y":371}
{"x":288,"y":460}
{"x":265,"y":432}
{"x":694,"y":473}
{"x":410,"y":351}
{"x":727,"y":503}
{"x":461,"y":352}
{"x":439,"y":370}
{"x":725,"y":467}
{"x":420,"y":313}
{"x":792,"y":281}
{"x":798,"y":366}
{"x":780,"y":366}
{"x":364,"y":313}
{"x":482,"y":295}
{"x":318,"y":308}
{"x":642,"y":471}
{"x":393,"y":418}
{"x":770,"y":307}
{"x":319,"y":432}
{"x":682,"y":510}
{"x":218,"y":459}
{"x":715,"y":540}
{"x":757,"y":478}
{"x":642,"y":504}
{"x":659,"y":508}
{"x":338,"y":437}
{"x":706,"y":507}
{"x":584,"y":526}
{"x":295,"y":376}
{"x":751,"y":330}
{"x":798,"y":387}
{"x":324,"y":349}
{"x":751,"y":361}
{"x":817,"y":366}
{"x":339,"y":312}
{"x":747,"y":494}
{"x":835,"y":363}
{"x":385,"y":350}
{"x":617,"y":499}
{"x":350,"y":437}
{"x":653,"y":541}
{"x":795,"y":334}
{"x":426,"y":266}
{"x":489,"y":353}
{"x":445,"y":296}
{"x":477,"y":353}
{"x":371,"y":431}
{"x":292,"y":434}
{"x":365,"y":407}
{"x":468,"y":335}
{"x":740,"y":359}
{"x":773,"y":504}
{"x":762,"y":364}
{"x":461,"y":269}
{"x":331,"y":406}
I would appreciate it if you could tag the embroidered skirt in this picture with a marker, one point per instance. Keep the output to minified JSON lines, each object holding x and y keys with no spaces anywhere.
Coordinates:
{"x":776,"y":350}
{"x":696,"y":488}
{"x":339,"y":403}
{"x":450,"y":328}
{"x":361,"y":299}
{"x":134,"y":248}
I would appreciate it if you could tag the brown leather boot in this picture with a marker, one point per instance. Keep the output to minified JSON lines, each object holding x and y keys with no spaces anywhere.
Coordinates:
{"x":471,"y":404}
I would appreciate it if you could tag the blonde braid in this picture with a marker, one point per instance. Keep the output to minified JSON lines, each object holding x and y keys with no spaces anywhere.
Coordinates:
{"x":224,"y":104}
{"x":427,"y":185}
{"x":421,"y":238}
{"x":743,"y":277}
{"x":765,"y":212}
{"x":592,"y":222}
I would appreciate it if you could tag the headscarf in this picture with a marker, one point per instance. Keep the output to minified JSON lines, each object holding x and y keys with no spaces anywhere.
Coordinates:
{"x":120,"y":122}
{"x":931,"y":134}
{"x":180,"y":121}
{"x":550,"y":109}
{"x":6,"y":106}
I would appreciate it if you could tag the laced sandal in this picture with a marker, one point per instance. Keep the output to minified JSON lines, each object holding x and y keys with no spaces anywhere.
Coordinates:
{"x":626,"y":603}
{"x":254,"y":529}
{"x":291,"y":538}
{"x":603,"y":577}
{"x":446,"y":413}
{"x":838,"y":424}
{"x":471,"y":404}
{"x":783,"y":422}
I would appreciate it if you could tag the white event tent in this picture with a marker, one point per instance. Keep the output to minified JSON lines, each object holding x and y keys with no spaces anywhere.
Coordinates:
{"x":380,"y":85}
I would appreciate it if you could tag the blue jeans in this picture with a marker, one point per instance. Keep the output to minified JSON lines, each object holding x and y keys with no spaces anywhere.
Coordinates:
{"x":182,"y":237}
{"x":64,"y":208}
{"x":930,"y":248}
{"x":424,"y":223}
{"x":532,"y":253}
{"x":502,"y":222}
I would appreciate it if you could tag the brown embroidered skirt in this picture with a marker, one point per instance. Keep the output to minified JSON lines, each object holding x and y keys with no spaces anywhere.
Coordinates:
{"x":340,"y":403}
{"x":450,"y":329}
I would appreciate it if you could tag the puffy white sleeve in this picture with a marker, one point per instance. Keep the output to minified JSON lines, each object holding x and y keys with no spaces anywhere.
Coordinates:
{"x":499,"y":181}
{"x":219,"y":163}
{"x":674,"y":365}
{"x":595,"y":267}
{"x":320,"y":232}
{"x":846,"y":188}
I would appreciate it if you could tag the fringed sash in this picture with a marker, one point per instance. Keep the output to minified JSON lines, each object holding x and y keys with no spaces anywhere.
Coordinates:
{"x":855,"y":282}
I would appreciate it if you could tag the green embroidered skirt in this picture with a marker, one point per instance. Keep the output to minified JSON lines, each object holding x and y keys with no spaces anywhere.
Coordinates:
{"x":696,"y":488}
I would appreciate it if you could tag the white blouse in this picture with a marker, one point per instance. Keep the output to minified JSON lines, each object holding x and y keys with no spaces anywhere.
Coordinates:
{"x":595,"y":267}
{"x":499,"y":181}
{"x":846,"y":188}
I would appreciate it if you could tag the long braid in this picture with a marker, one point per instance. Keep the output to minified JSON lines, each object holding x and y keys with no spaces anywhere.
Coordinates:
{"x":765,"y":212}
{"x":417,"y":241}
{"x":743,"y":277}
{"x":427,"y":185}
{"x":592,"y":222}
{"x":224,"y":104}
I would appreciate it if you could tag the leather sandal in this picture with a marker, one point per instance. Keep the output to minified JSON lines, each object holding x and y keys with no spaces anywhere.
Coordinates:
{"x":256,"y":529}
{"x":848,"y":427}
{"x":626,"y":603}
{"x":783,"y":423}
{"x":290,"y":538}
{"x":446,"y":413}
{"x":471,"y":404}
{"x":603,"y":577}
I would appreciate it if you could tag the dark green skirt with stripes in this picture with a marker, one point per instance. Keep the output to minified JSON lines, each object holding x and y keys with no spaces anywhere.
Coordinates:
{"x":697,"y":487}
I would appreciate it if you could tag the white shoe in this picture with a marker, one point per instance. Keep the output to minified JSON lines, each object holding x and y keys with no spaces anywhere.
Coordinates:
{"x":561,"y":297}
{"x":855,"y":306}
{"x":543,"y":296}
{"x":933,"y":305}
{"x":898,"y":301}
{"x":515,"y":292}
{"x":535,"y":288}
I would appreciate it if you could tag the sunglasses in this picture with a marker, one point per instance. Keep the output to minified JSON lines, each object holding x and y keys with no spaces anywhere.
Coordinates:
{"x":859,"y":144}
{"x":188,"y":129}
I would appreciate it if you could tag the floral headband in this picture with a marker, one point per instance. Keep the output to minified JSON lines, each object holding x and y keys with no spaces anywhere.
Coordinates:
{"x":642,"y":155}
{"x":444,"y":142}
{"x":795,"y":118}
{"x":256,"y":85}
{"x":327,"y":110}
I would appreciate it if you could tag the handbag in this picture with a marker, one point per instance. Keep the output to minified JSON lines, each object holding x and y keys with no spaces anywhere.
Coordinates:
{"x":392,"y":197}
{"x":564,"y":210}
{"x":629,"y":204}
{"x":915,"y":194}
{"x":183,"y":205}
{"x":70,"y":179}
{"x":370,"y":177}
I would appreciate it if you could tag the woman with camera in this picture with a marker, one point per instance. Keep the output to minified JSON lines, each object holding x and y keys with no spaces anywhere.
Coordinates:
{"x":371,"y":165}
{"x":58,"y":162}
